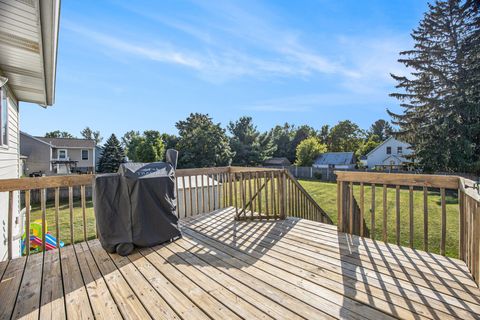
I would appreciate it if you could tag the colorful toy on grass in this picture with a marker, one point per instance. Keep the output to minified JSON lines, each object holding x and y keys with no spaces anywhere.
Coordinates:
{"x":36,"y":238}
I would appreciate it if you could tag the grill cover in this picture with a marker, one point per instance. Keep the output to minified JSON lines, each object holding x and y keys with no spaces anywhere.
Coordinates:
{"x":137,"y":205}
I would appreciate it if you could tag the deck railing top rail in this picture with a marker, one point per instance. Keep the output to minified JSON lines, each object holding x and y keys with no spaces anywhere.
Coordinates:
{"x":254,"y":192}
{"x":401,"y":179}
{"x":447,"y":220}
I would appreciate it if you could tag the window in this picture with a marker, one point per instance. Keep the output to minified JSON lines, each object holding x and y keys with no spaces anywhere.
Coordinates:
{"x":399,"y":150}
{"x":3,"y":118}
{"x":62,"y":154}
{"x":84,"y":154}
{"x":389,"y":150}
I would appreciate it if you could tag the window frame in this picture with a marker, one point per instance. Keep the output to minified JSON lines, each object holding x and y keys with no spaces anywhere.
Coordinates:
{"x":399,"y":150}
{"x":58,"y":154}
{"x":88,"y":154}
{"x":389,"y":150}
{"x":3,"y":107}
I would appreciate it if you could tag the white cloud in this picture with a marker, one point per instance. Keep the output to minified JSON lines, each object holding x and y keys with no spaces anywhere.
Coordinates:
{"x":165,"y":53}
{"x":229,"y":42}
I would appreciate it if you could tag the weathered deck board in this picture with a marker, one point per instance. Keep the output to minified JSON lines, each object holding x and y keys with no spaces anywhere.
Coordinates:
{"x":76,"y":298}
{"x":308,"y":263}
{"x":12,"y":277}
{"x":52,"y":304}
{"x":226,"y":269}
{"x":28,"y":300}
{"x":103,"y":305}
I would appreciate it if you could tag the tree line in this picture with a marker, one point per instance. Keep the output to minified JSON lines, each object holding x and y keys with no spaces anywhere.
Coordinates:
{"x":440,"y":116}
{"x":204,"y":143}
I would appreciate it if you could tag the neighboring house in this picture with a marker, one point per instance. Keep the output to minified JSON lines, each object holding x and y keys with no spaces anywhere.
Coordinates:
{"x":50,"y":156}
{"x":390,"y":154}
{"x":363,"y":161}
{"x":277,"y":162}
{"x":28,"y":58}
{"x":335,"y":160}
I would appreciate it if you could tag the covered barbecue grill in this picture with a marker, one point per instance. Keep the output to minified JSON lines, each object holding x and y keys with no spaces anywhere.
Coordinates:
{"x":137,"y":205}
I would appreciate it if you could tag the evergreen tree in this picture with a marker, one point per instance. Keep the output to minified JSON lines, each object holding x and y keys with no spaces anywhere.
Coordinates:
{"x":112,"y":156}
{"x":282,"y":139}
{"x":250,"y":146}
{"x":298,"y":135}
{"x":170,"y":141}
{"x":440,"y":99}
{"x":324,"y":133}
{"x":380,"y":129}
{"x":202,"y":143}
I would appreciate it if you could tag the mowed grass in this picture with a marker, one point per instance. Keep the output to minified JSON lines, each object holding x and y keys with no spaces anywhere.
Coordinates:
{"x":64,"y":220}
{"x":326,"y":196}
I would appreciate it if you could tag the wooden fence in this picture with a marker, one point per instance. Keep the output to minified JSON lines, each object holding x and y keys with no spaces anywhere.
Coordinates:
{"x":255,"y":193}
{"x":351,"y":190}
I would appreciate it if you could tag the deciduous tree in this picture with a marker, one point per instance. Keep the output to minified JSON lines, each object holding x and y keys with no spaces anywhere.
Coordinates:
{"x":88,"y":133}
{"x":58,"y":134}
{"x":202,"y":143}
{"x":345,"y":136}
{"x":308,"y":150}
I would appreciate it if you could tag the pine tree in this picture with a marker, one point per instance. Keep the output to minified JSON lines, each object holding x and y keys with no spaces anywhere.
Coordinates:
{"x":381,"y":129}
{"x":112,"y":156}
{"x":440,"y":99}
{"x":250,"y":146}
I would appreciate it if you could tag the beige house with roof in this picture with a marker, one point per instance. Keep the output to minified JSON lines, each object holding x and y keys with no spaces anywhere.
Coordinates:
{"x":51,"y":156}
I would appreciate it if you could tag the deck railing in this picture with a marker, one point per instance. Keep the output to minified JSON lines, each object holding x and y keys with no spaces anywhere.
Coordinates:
{"x":455,"y":193}
{"x":14,"y":186}
{"x":256,"y":193}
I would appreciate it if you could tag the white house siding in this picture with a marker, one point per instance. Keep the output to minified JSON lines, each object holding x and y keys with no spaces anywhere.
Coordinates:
{"x":379,"y":155}
{"x":10,"y":168}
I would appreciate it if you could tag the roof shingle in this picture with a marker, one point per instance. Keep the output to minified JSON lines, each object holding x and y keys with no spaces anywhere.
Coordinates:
{"x":69,"y":142}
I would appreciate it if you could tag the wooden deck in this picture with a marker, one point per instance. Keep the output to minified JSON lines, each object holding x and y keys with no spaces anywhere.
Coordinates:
{"x":224,"y":269}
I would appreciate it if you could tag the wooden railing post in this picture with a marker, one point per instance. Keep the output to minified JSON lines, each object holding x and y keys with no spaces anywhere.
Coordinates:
{"x":283,"y":194}
{"x":469,"y":240}
{"x":343,"y":206}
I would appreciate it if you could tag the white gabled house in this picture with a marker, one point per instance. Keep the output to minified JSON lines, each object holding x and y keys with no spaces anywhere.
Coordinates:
{"x":28,"y":58}
{"x":390,"y":154}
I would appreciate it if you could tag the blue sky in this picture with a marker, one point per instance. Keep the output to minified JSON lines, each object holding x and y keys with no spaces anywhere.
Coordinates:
{"x":142,"y":65}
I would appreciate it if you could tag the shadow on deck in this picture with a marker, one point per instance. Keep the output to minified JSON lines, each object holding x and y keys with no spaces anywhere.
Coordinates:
{"x":226,"y":269}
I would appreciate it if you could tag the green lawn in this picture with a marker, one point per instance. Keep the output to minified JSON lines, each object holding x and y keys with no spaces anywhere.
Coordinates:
{"x":64,"y":220}
{"x":326,"y":196}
